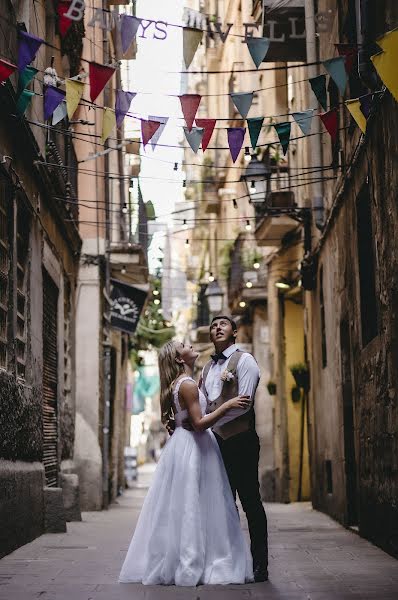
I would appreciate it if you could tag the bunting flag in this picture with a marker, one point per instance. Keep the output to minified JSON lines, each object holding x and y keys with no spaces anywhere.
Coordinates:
{"x":255,"y":124}
{"x":23,"y":101}
{"x":242,"y":101}
{"x":318,"y":85}
{"x":156,"y":136}
{"x":191,"y":40}
{"x":236,"y":135}
{"x":354,"y":106}
{"x":258,"y":48}
{"x":304,"y":120}
{"x":350,"y":52}
{"x":122,"y":105}
{"x":189,"y":106}
{"x":28,"y":45}
{"x":99,"y":77}
{"x":128,"y":30}
{"x":194,"y":137}
{"x":6,"y":69}
{"x":52,"y":98}
{"x":208,"y":126}
{"x":148,"y":129}
{"x":63,"y":22}
{"x":330,"y":121}
{"x":283,"y":131}
{"x":25,"y":77}
{"x":337,"y":71}
{"x":385,"y":62}
{"x":59,"y":113}
{"x":108,"y":123}
{"x":366,"y":104}
{"x":74,"y":92}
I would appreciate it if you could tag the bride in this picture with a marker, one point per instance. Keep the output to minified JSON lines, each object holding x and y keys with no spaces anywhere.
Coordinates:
{"x":188,"y":532}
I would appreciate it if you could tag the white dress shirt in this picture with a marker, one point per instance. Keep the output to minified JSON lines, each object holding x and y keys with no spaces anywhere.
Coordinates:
{"x":248,"y":375}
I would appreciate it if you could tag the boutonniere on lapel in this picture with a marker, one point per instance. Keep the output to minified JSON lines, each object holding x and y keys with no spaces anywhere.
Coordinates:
{"x":227,"y":375}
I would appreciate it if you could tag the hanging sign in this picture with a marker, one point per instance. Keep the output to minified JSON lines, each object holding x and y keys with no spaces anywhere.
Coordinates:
{"x":285,"y":28}
{"x":127,"y":303}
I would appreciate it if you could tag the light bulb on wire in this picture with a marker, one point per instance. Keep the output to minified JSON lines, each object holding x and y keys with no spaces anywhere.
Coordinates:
{"x":249,"y":284}
{"x":123,"y":270}
{"x":124,"y":209}
{"x":248,"y":227}
{"x":247,"y":155}
{"x":211,"y":277}
{"x":256,"y":265}
{"x":156,"y":301}
{"x":242,"y":304}
{"x":185,"y":225}
{"x":156,"y":292}
{"x":186,"y":243}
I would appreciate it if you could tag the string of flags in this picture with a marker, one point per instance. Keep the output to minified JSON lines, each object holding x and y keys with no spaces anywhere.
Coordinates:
{"x":198,"y":132}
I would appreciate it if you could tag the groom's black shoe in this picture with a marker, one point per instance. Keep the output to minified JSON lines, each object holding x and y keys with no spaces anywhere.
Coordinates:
{"x":260,"y":574}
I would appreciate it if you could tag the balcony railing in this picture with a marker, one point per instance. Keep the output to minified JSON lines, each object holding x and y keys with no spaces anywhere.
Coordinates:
{"x":60,"y":152}
{"x":245,"y":282}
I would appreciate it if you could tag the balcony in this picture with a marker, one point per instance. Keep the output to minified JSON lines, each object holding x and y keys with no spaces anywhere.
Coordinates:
{"x":64,"y":173}
{"x":128,"y":263}
{"x":242,"y":274}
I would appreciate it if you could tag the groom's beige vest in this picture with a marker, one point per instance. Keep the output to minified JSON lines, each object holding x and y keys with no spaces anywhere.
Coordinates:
{"x":229,"y":390}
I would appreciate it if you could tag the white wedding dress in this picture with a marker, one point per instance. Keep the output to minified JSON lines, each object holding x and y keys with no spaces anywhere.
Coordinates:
{"x":188,"y":532}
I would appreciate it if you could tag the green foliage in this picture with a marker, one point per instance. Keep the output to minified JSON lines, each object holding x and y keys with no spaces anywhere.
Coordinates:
{"x":249,"y":257}
{"x":225,"y":254}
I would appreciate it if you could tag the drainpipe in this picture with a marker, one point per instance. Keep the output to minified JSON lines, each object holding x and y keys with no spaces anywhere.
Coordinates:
{"x":314,"y":140}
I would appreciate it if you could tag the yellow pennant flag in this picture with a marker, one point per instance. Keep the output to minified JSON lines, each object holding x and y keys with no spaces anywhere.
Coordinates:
{"x":385,"y":62}
{"x":74,"y":92}
{"x":108,"y":123}
{"x":354,"y":106}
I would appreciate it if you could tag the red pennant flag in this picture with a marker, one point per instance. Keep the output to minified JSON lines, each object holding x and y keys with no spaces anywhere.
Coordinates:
{"x":99,"y":77}
{"x":331,"y":122}
{"x":63,"y":22}
{"x":148,"y":129}
{"x":208,"y":125}
{"x":6,"y":69}
{"x":350,"y":52}
{"x":189,"y":106}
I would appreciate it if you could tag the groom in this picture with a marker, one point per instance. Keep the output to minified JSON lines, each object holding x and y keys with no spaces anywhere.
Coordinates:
{"x":229,"y":373}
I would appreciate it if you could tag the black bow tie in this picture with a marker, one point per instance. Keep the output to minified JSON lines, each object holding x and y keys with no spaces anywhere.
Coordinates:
{"x":217,"y":357}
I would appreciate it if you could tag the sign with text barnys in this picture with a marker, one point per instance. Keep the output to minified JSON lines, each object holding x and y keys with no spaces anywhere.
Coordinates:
{"x":127,"y":303}
{"x":285,"y":27}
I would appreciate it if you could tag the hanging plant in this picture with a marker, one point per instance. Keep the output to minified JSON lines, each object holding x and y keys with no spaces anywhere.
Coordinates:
{"x":301,"y":375}
{"x":296,"y":393}
{"x":271,"y":387}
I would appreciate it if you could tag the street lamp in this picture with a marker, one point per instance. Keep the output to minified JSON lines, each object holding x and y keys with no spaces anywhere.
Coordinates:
{"x":257,"y":177}
{"x":214,"y":295}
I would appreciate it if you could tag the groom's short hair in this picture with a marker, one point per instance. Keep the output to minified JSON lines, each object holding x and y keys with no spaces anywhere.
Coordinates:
{"x":227,"y":318}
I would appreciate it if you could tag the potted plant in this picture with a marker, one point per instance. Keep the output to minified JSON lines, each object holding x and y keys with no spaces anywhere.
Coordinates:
{"x":296,"y":393}
{"x":271,"y":387}
{"x":301,"y":375}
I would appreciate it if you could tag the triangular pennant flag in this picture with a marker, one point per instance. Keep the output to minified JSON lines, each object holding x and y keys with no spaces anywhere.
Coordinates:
{"x":24,"y":101}
{"x":350,"y":52}
{"x":59,"y":113}
{"x":303,"y":119}
{"x":366,"y":104}
{"x":122,"y":105}
{"x":6,"y":69}
{"x":385,"y":62}
{"x":194,"y":137}
{"x":28,"y":46}
{"x":156,"y":136}
{"x":25,"y":77}
{"x":255,"y":124}
{"x":283,"y":131}
{"x":99,"y":77}
{"x":191,"y":40}
{"x":52,"y":98}
{"x":148,"y":129}
{"x":63,"y":22}
{"x":242,"y":101}
{"x":128,"y":30}
{"x":189,"y":106}
{"x":208,"y":126}
{"x":330,"y":120}
{"x":337,"y":71}
{"x":74,"y":92}
{"x":236,"y":135}
{"x":258,"y":48}
{"x":108,"y":123}
{"x":318,"y":85}
{"x":354,"y":106}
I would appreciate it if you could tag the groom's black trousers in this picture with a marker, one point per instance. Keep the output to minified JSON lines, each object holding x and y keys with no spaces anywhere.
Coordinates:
{"x":241,"y":455}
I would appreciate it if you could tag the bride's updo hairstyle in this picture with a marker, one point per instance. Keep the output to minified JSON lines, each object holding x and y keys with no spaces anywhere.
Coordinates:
{"x":169,"y":370}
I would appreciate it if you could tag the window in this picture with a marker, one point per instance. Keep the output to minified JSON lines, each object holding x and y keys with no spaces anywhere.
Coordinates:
{"x":323,"y":321}
{"x":329,"y":476}
{"x":5,"y":210}
{"x":366,"y":266}
{"x":23,"y":222}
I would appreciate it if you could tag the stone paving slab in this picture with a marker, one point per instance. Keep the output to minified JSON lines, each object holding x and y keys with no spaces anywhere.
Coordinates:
{"x":311,"y":558}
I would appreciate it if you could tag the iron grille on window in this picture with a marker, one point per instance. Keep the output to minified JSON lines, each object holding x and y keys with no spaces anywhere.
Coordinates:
{"x":23,"y":226}
{"x":5,"y":205}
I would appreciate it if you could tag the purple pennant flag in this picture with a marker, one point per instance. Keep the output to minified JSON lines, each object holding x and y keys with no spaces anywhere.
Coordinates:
{"x":28,"y":46}
{"x":365,"y":103}
{"x":52,"y":99}
{"x":236,"y":135}
{"x":122,"y":105}
{"x":128,"y":30}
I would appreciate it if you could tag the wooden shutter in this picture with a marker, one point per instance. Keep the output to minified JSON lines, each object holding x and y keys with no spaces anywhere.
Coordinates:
{"x":50,"y":380}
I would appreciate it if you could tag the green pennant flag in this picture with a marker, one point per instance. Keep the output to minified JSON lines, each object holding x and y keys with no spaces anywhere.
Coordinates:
{"x":255,"y":124}
{"x":25,"y":77}
{"x":318,"y":85}
{"x":283,"y":131}
{"x":24,"y":101}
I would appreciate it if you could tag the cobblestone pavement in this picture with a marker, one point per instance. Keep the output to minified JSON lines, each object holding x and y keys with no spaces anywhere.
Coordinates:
{"x":311,"y":558}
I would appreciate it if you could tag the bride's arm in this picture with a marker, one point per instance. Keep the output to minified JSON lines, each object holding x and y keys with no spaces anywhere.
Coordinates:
{"x":189,"y":394}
